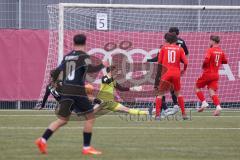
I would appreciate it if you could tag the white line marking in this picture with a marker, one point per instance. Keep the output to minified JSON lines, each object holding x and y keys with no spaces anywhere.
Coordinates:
{"x":237,"y":109}
{"x":216,"y":117}
{"x":52,"y":115}
{"x":119,"y":128}
{"x":26,"y":110}
{"x":27,"y":115}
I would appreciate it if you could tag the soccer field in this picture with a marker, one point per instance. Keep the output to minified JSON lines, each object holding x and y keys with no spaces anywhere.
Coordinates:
{"x":204,"y":137}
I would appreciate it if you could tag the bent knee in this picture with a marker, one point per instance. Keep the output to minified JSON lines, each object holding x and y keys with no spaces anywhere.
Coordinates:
{"x":62,"y":121}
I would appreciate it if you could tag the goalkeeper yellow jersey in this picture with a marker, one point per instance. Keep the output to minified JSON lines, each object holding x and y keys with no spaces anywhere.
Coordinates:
{"x":107,"y":89}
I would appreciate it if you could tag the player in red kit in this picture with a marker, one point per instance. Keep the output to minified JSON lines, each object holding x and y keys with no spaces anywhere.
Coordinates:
{"x":213,"y":60}
{"x":170,"y":57}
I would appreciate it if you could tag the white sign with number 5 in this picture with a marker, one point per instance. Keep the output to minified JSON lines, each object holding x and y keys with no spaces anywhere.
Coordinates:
{"x":102,"y":21}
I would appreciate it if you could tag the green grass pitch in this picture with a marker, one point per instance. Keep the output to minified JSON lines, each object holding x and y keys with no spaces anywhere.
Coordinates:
{"x":203,"y":138}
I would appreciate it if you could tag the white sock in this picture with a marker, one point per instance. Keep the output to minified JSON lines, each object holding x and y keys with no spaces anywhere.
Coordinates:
{"x":204,"y":103}
{"x":218,"y":107}
{"x":86,"y":147}
{"x":175,"y":106}
{"x":43,"y":140}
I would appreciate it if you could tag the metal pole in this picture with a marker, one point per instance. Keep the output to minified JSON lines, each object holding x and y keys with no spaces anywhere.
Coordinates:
{"x":199,"y":17}
{"x":110,"y":16}
{"x":60,"y":33}
{"x":239,"y":69}
{"x":19,"y":14}
{"x":18,"y":104}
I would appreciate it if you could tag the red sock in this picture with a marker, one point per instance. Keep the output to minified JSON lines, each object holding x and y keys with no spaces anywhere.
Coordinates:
{"x":181,"y":104}
{"x":215,"y":100}
{"x":158,"y":106}
{"x":200,"y":96}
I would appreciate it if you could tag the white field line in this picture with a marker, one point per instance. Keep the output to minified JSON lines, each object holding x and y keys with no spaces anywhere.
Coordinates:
{"x":27,"y":115}
{"x":50,"y":111}
{"x":119,"y":128}
{"x":52,"y":115}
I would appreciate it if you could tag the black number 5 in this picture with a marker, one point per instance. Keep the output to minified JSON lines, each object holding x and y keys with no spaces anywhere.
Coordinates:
{"x":101,"y":22}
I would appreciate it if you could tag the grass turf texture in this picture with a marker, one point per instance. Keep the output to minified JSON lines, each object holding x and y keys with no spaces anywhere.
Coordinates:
{"x":203,"y":138}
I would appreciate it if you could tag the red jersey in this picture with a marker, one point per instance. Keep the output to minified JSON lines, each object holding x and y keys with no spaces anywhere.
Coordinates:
{"x":213,"y":60}
{"x":170,"y":56}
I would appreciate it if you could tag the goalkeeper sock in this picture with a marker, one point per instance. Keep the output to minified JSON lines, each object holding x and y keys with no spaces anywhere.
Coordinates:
{"x":215,"y":99}
{"x":200,"y":96}
{"x":181,"y":104}
{"x":158,"y":106}
{"x":86,"y":139}
{"x":133,"y":111}
{"x":137,"y":112}
{"x":143,"y":112}
{"x":47,"y":134}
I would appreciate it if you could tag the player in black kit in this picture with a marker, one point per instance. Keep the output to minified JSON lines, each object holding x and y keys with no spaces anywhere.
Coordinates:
{"x":72,"y":72}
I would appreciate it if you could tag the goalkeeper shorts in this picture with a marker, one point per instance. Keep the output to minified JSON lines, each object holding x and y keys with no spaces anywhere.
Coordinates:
{"x":111,"y":105}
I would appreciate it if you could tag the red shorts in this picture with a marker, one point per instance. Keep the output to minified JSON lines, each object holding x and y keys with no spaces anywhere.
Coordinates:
{"x":208,"y":79}
{"x":170,"y":81}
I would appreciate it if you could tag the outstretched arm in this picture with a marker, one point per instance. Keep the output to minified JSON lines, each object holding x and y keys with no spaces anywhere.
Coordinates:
{"x":45,"y":97}
{"x":56,"y":72}
{"x":154,"y":59}
{"x":92,"y":69}
{"x":95,"y":68}
{"x":121,"y":88}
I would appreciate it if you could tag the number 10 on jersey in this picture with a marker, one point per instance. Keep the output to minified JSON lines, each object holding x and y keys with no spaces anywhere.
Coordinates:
{"x":171,"y":56}
{"x":70,"y":70}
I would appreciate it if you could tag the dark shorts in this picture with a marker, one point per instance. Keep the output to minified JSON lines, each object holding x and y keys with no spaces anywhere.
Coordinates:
{"x":77,"y":104}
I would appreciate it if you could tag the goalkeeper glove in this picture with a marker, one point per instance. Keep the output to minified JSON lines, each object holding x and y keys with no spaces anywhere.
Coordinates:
{"x":97,"y":101}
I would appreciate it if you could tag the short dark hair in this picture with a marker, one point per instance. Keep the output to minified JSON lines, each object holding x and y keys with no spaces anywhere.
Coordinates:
{"x":174,"y":29}
{"x":79,"y":39}
{"x":110,"y":68}
{"x":170,"y":37}
{"x":215,"y":38}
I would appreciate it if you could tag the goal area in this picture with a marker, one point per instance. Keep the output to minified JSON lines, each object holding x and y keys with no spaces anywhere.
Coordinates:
{"x":133,"y":33}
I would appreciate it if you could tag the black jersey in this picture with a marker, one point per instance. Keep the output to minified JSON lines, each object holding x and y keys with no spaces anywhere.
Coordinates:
{"x":74,"y":68}
{"x":75,"y":65}
{"x":182,"y":44}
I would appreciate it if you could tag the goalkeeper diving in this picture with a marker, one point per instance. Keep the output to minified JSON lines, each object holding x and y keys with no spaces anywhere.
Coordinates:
{"x":107,"y":89}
